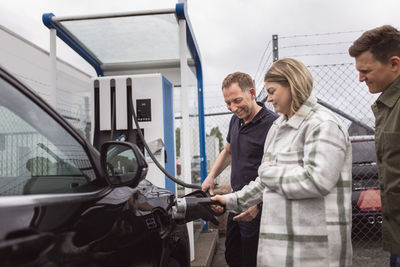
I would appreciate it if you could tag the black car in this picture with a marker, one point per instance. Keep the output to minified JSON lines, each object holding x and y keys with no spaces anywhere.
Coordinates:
{"x":366,"y":201}
{"x":63,"y":203}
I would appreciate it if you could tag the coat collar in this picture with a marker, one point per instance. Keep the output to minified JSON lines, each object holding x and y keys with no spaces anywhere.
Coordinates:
{"x":303,"y":112}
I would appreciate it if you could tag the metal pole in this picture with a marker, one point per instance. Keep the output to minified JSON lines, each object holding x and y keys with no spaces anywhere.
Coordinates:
{"x":185,"y":133}
{"x":275,"y":47}
{"x":87,"y":119}
{"x":347,"y":116}
{"x":53,"y":69}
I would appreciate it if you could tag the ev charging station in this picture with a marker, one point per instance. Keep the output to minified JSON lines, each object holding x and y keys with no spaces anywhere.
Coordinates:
{"x":151,"y":94}
{"x":140,"y":57}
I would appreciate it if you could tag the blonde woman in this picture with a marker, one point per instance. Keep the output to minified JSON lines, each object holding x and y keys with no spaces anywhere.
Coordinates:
{"x":304,"y":178}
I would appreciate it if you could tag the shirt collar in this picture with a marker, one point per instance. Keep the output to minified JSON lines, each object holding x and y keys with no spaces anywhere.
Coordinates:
{"x":300,"y":115}
{"x":258,"y":116}
{"x":390,"y":96}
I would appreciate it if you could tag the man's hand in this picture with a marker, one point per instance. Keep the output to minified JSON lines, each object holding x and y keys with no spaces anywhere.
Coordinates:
{"x":248,"y":215}
{"x":208,"y":184}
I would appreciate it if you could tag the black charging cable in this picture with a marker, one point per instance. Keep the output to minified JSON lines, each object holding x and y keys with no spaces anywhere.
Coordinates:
{"x":194,"y":186}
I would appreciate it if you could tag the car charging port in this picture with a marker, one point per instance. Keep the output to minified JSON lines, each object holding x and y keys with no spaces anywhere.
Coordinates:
{"x":196,"y":205}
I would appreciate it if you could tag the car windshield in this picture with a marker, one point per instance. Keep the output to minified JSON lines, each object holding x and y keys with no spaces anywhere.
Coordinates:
{"x":37,"y":155}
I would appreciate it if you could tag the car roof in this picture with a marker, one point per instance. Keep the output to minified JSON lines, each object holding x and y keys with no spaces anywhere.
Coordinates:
{"x":363,"y":151}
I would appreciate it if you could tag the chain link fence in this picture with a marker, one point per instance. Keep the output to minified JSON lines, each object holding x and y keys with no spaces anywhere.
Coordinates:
{"x":32,"y":159}
{"x":77,"y":114}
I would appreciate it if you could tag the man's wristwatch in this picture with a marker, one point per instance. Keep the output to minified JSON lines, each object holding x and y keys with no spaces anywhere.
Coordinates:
{"x":259,"y":205}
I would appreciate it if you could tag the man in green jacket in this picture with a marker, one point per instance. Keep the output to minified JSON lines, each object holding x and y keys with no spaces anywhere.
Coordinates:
{"x":377,"y":55}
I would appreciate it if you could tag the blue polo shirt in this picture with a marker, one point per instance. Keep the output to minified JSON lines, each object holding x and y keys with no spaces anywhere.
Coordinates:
{"x":247,"y":146}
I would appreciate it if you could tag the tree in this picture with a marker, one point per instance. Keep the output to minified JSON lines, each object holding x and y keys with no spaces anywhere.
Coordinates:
{"x":178,"y":141}
{"x":217,"y":133}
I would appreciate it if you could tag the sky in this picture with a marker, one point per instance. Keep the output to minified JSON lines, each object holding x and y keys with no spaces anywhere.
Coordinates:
{"x":232,"y":35}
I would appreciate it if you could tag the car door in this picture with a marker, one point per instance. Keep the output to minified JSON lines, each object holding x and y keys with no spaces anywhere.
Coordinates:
{"x":49,"y":175}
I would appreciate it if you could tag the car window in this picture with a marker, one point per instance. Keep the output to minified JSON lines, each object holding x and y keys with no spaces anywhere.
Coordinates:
{"x":37,"y":155}
{"x":363,"y":151}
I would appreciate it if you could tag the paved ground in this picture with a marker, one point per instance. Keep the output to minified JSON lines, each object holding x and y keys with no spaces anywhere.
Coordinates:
{"x":372,"y":256}
{"x":369,"y":255}
{"x":219,"y":257}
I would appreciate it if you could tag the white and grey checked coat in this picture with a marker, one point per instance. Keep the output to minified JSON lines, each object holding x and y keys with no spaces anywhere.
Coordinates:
{"x":305,"y":185}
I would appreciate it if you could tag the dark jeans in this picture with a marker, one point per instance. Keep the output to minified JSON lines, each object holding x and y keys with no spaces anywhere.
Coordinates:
{"x":394,"y":260}
{"x":241,"y":242}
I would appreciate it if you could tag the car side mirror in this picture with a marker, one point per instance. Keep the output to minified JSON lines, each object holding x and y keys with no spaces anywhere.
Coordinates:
{"x":123,"y":163}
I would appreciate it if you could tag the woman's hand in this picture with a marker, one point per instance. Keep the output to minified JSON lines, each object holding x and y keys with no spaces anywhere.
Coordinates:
{"x":220,"y":199}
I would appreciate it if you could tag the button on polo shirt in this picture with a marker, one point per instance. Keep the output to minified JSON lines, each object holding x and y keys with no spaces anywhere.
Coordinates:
{"x":247,"y":146}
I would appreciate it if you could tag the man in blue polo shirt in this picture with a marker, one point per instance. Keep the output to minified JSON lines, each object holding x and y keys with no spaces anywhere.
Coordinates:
{"x":244,"y":149}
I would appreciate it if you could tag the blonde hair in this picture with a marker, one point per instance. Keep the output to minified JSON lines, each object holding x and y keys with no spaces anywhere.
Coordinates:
{"x":292,"y":73}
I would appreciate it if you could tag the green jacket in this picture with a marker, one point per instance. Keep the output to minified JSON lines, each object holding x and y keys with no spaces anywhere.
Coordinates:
{"x":387,"y":143}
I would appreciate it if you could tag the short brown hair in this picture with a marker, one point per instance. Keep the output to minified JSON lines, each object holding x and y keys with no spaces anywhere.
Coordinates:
{"x":244,"y":80}
{"x":291,"y":73}
{"x":383,"y":42}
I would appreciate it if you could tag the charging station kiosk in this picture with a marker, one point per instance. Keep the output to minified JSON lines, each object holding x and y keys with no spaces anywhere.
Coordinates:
{"x":151,"y":95}
{"x":139,"y":56}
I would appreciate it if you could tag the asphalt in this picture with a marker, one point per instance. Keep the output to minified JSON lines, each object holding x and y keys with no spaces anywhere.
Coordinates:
{"x":209,"y":247}
{"x":364,"y":255}
{"x":219,"y":255}
{"x":204,"y":248}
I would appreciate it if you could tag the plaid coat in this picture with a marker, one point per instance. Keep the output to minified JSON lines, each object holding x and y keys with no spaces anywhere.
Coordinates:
{"x":305,"y":185}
